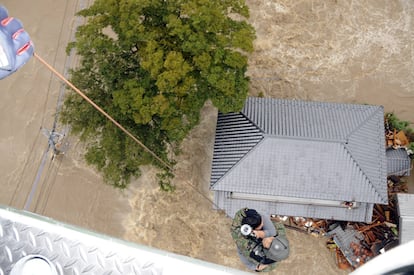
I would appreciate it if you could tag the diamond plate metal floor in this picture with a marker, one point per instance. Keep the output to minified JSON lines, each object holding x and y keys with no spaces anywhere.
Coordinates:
{"x":75,"y":251}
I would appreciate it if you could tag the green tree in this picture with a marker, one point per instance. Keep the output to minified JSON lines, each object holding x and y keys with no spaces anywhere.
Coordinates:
{"x":152,"y":64}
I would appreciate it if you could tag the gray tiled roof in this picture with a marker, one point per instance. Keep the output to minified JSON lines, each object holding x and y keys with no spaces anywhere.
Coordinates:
{"x":398,"y":162}
{"x":406,"y":213}
{"x":306,"y":149}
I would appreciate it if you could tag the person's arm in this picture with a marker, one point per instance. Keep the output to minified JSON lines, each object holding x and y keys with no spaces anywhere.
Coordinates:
{"x":268,"y":229}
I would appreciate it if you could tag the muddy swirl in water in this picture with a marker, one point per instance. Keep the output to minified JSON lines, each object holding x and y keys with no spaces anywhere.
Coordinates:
{"x":340,"y":51}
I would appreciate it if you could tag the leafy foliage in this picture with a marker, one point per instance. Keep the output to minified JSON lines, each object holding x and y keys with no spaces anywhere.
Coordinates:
{"x":152,"y":64}
{"x":395,"y":123}
{"x":400,"y":125}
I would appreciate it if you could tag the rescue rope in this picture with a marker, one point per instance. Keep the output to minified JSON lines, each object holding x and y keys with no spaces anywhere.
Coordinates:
{"x":117,"y":124}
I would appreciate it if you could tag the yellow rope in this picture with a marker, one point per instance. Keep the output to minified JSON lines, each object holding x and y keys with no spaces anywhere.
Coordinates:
{"x":116,"y":123}
{"x":101,"y":110}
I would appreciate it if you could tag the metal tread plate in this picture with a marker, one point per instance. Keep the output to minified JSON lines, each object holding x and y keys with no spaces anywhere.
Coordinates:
{"x":76,"y":251}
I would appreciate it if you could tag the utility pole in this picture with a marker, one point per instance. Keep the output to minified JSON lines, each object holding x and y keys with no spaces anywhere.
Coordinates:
{"x":55,"y":140}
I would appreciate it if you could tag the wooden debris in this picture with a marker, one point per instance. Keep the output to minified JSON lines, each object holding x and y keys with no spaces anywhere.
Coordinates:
{"x":370,"y":237}
{"x":396,"y":139}
{"x":361,"y":253}
{"x":368,"y":227}
{"x":387,"y":215}
{"x":314,"y":227}
{"x":382,"y":233}
{"x":401,"y":139}
{"x":341,"y":261}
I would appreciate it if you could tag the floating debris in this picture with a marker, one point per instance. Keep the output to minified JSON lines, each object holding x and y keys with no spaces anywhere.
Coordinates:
{"x":355,"y":243}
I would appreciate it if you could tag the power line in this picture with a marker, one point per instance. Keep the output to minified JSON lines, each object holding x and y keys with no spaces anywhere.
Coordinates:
{"x":20,"y":180}
{"x":55,"y":138}
{"x":36,"y":181}
{"x":52,"y":134}
{"x":47,"y":186}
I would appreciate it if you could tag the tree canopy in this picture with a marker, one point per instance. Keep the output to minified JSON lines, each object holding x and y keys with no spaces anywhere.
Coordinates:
{"x":152,"y":65}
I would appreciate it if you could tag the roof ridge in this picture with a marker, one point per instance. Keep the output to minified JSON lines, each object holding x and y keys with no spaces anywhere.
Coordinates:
{"x":305,"y":118}
{"x":232,"y":154}
{"x":365,"y":175}
{"x":237,"y":162}
{"x":378,"y":109}
{"x":374,"y":112}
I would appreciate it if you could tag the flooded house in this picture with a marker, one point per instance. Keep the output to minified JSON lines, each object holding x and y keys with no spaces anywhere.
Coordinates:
{"x":301,"y":158}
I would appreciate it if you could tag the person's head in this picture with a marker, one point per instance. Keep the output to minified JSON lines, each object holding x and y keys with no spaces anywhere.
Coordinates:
{"x":253,"y":219}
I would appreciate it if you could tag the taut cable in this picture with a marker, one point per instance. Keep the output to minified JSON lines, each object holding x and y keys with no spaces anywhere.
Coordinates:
{"x":116,"y":123}
{"x":101,"y":111}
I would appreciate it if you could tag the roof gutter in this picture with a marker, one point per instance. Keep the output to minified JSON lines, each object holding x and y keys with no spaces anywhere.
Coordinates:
{"x":293,"y":200}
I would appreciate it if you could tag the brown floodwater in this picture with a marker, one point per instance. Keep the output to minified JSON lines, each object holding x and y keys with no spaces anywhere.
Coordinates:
{"x":337,"y":51}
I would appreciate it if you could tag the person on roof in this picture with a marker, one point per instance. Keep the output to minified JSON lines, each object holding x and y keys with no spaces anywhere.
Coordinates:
{"x":260,"y":242}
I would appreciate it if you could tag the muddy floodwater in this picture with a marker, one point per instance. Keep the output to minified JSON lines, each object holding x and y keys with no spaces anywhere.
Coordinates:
{"x":337,"y":51}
